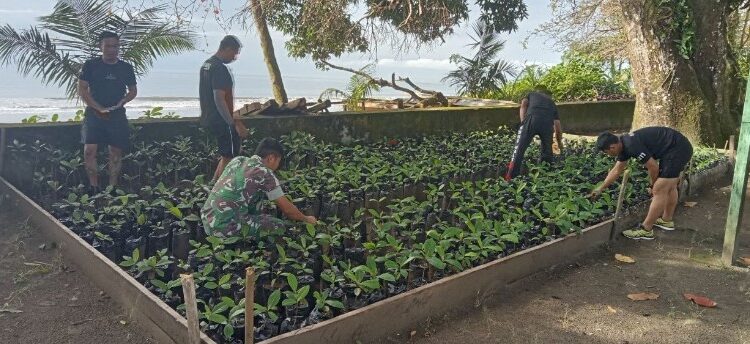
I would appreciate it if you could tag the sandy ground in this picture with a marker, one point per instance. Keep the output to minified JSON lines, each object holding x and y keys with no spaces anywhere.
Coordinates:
{"x":586,"y":302}
{"x":43,"y":300}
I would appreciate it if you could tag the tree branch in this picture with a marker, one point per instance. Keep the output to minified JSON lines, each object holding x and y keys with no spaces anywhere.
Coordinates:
{"x":419,"y":89}
{"x":379,"y":81}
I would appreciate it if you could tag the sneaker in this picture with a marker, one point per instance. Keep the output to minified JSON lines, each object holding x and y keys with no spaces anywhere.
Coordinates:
{"x":665,"y":225}
{"x":638,"y":233}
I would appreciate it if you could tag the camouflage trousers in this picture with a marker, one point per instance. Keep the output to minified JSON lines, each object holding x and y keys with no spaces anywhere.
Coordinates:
{"x":251,"y":226}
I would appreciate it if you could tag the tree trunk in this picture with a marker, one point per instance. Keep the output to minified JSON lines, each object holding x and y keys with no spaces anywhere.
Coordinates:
{"x":699,"y":96}
{"x":266,"y":44}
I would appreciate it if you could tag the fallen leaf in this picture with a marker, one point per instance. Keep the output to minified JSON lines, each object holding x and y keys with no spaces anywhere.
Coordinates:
{"x":744,"y":260}
{"x":624,"y":259}
{"x":700,"y":300}
{"x":643,"y":296}
{"x":413,"y":333}
{"x":611,"y":310}
{"x":690,"y":204}
{"x":123,"y":322}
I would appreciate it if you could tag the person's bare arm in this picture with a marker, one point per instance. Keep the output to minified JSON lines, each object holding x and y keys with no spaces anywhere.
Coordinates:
{"x":132,"y":93}
{"x":558,"y":133}
{"x":85,"y":93}
{"x":291,"y":211}
{"x":612,"y":176}
{"x":523,"y":108}
{"x":220,"y":98}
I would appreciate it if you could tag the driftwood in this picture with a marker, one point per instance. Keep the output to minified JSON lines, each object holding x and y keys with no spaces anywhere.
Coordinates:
{"x":378,"y":81}
{"x":438,"y":99}
{"x":321,"y":106}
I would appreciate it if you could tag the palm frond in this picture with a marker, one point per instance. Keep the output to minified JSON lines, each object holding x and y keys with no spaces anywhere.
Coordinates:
{"x":34,"y":52}
{"x":80,"y":22}
{"x":329,"y":93}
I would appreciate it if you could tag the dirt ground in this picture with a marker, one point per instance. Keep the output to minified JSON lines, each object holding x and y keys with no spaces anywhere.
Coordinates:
{"x":586,"y":302}
{"x":42,"y":300}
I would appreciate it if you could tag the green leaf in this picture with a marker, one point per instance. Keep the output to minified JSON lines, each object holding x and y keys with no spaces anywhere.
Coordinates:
{"x":216,"y":318}
{"x":436,"y":262}
{"x":211,"y":285}
{"x":274,"y":298}
{"x":192,"y":218}
{"x":224,"y":279}
{"x":292,"y":280}
{"x":228,"y":332}
{"x":237,"y":312}
{"x":371,"y":284}
{"x":136,"y":255}
{"x":288,"y":302}
{"x":221,"y":308}
{"x":141,"y":219}
{"x":302,"y":292}
{"x":159,"y":284}
{"x":387,"y":277}
{"x":335,"y":303}
{"x":176,"y":212}
{"x":512,"y":237}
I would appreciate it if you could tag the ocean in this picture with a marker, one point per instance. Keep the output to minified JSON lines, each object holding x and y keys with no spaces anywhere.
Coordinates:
{"x":14,"y":110}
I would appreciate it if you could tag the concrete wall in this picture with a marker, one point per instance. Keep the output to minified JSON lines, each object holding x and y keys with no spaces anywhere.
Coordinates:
{"x":583,"y":117}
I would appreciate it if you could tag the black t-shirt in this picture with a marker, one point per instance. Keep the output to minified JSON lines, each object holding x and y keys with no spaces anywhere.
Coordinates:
{"x":214,"y":76}
{"x":541,"y":105}
{"x":649,"y":142}
{"x":107,"y":82}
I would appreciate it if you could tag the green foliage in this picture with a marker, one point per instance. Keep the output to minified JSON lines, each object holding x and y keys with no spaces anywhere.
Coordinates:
{"x":156,"y":113}
{"x":325,"y":29}
{"x":678,"y":17}
{"x":358,"y":89}
{"x":482,"y":73}
{"x":577,"y":77}
{"x":55,"y":50}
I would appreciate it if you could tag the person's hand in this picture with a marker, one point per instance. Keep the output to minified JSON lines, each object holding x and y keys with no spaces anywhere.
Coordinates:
{"x":102,"y":112}
{"x":311,"y":220}
{"x":650,"y":191}
{"x":560,"y":146}
{"x":241,"y":130}
{"x":594,"y":194}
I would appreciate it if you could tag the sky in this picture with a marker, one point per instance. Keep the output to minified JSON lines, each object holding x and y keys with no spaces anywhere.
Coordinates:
{"x":177,"y":76}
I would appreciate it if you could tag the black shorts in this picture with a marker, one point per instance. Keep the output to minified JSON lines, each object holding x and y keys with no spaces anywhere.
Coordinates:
{"x":227,"y":139}
{"x":675,"y":160}
{"x":112,"y":130}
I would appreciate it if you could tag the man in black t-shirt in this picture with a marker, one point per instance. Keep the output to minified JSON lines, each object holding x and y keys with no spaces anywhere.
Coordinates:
{"x":102,"y":84}
{"x":647,"y":145}
{"x":539,"y":116}
{"x":217,"y":102}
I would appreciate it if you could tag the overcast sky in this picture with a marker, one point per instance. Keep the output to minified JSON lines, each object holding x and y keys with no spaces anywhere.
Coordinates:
{"x":177,"y":75}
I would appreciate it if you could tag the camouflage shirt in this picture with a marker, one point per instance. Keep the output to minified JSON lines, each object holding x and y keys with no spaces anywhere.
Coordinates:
{"x":237,"y":193}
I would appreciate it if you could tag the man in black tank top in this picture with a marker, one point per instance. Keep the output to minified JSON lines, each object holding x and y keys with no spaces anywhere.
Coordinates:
{"x":648,"y":145}
{"x":539,"y":116}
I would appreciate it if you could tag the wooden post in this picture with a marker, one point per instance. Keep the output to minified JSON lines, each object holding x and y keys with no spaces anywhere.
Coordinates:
{"x":249,"y":304}
{"x":191,"y":308}
{"x":3,"y":139}
{"x":620,"y":200}
{"x":739,"y":189}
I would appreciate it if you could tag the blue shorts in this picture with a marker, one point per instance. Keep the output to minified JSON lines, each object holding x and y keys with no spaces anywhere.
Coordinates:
{"x":112,"y":130}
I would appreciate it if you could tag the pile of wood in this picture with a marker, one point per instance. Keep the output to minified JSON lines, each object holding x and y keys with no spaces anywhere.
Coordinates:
{"x":272,"y":108}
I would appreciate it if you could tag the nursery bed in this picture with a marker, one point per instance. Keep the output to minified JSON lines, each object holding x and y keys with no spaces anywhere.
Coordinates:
{"x":396,"y":314}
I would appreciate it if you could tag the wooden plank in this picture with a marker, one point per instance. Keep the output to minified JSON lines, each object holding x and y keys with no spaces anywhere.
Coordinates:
{"x":620,"y":200}
{"x":3,"y":147}
{"x":191,"y":308}
{"x":739,"y":190}
{"x":144,"y":308}
{"x":249,"y":305}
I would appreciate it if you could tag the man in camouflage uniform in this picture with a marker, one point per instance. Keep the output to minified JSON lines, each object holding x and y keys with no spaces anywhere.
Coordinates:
{"x":233,"y":204}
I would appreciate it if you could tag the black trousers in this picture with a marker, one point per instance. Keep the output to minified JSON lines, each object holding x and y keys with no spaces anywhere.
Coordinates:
{"x":530,"y":127}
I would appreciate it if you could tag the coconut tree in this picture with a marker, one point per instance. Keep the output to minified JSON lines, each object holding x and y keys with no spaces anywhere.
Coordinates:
{"x":482,"y":73}
{"x":55,"y":50}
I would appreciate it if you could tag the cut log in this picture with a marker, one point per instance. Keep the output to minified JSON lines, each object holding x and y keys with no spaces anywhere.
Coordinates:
{"x":320,"y":107}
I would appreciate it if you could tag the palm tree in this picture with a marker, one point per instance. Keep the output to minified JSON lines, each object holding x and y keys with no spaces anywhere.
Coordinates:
{"x":55,"y":50}
{"x":484,"y":72}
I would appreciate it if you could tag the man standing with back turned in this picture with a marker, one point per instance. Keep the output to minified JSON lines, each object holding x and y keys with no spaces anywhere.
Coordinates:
{"x":102,"y":85}
{"x":217,"y":102}
{"x":539,"y":116}
{"x":647,"y":145}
